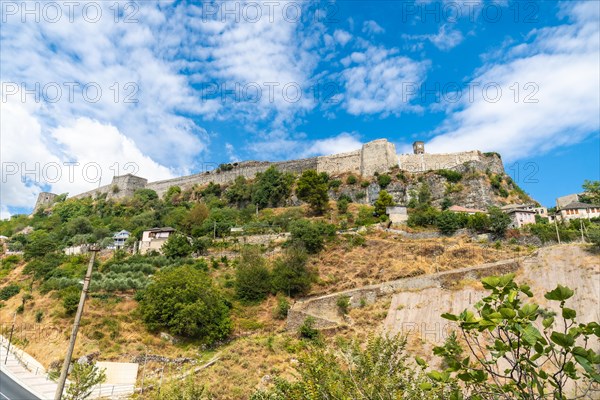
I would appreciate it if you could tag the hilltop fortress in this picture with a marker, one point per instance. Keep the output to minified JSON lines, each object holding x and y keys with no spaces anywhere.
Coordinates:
{"x":378,"y":156}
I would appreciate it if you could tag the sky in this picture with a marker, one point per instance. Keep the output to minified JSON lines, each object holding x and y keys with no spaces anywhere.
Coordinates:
{"x":94,"y":89}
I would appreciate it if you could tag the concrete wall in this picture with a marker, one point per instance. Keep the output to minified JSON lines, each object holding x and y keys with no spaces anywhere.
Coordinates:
{"x":325,"y":310}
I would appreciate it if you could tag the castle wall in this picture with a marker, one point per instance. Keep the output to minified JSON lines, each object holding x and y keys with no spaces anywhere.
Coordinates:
{"x":340,"y":163}
{"x":426,"y":162}
{"x":377,"y":156}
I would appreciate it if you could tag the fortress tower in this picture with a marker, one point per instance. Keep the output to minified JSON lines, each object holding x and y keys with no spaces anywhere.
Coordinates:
{"x":419,"y":147}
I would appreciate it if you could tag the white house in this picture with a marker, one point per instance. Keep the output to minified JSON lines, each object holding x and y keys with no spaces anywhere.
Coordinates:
{"x":154,"y":238}
{"x":520,"y":216}
{"x":120,"y":238}
{"x":578,"y":210}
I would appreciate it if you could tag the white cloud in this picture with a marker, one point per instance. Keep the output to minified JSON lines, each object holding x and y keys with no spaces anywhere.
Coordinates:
{"x":4,"y":213}
{"x":563,"y":62}
{"x":376,"y":81}
{"x":341,"y":36}
{"x":445,"y":39}
{"x":371,"y":27}
{"x":342,"y":143}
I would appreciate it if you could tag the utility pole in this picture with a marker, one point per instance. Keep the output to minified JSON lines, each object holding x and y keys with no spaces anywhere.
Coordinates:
{"x":67,"y":362}
{"x":10,"y":337}
{"x":557,"y":234}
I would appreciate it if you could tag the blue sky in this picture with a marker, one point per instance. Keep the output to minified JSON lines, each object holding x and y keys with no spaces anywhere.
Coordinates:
{"x":163,"y":89}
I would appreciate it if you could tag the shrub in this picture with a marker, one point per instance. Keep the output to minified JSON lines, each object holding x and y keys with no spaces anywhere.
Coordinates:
{"x":449,"y":222}
{"x":365,"y":184}
{"x":283,"y":306}
{"x":426,"y":216}
{"x":342,"y":204}
{"x":70,"y":297}
{"x":311,"y":235}
{"x":343,"y":304}
{"x":307,"y":330}
{"x":252,"y":277}
{"x":450,"y":175}
{"x":9,"y":291}
{"x":351,"y":180}
{"x":39,"y":316}
{"x":335,"y":184}
{"x":384,"y":180}
{"x":479,"y":222}
{"x":184,"y":301}
{"x":499,"y":221}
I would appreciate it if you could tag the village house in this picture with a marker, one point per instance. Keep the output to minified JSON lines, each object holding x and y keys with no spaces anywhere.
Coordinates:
{"x":522,"y":214}
{"x":577,"y":210}
{"x":153,"y":239}
{"x":120,"y":238}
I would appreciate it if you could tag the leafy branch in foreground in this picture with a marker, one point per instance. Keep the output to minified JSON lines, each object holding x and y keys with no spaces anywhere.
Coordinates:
{"x":520,"y":350}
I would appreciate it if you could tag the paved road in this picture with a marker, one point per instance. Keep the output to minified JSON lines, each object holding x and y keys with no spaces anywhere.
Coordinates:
{"x":10,"y":390}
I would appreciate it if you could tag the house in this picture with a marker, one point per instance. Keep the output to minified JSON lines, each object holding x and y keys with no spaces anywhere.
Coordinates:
{"x":469,"y":211}
{"x":76,"y":250}
{"x":577,"y":210}
{"x":520,"y":217}
{"x":154,"y":238}
{"x":397,"y":214}
{"x":120,"y":238}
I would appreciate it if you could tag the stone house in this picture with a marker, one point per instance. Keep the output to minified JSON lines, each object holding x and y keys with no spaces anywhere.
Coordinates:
{"x":154,"y":238}
{"x":577,"y":210}
{"x":520,"y":217}
{"x":120,"y":238}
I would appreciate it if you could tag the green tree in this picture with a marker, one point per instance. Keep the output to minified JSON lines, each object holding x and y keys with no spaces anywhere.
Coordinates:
{"x":195,"y":217}
{"x":381,"y":369}
{"x":342,"y":204}
{"x":312,"y":188}
{"x":449,"y":222}
{"x":291,"y":275}
{"x":39,"y":244}
{"x":513,"y":359}
{"x":310,"y":235}
{"x":252,"y":277}
{"x":239,"y":193}
{"x":271,"y":188}
{"x":499,"y":221}
{"x":184,"y":301}
{"x":177,"y":245}
{"x":383,"y":200}
{"x":83,"y":379}
{"x":591,"y":192}
{"x":479,"y":222}
{"x":70,"y":298}
{"x":424,"y":195}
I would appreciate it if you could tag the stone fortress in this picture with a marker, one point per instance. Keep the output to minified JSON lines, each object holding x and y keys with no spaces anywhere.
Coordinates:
{"x":378,"y":156}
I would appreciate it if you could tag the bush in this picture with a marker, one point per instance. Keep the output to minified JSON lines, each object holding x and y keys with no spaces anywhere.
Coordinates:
{"x":499,"y":221}
{"x":365,"y":184}
{"x":291,"y":274}
{"x":479,"y":222}
{"x":343,"y":304}
{"x":426,"y":216}
{"x":335,"y":184}
{"x":342,"y":204}
{"x":449,"y":222}
{"x":9,"y":291}
{"x":384,"y":180}
{"x":283,"y":306}
{"x":450,"y":175}
{"x":351,"y":180}
{"x":308,"y":331}
{"x":252,"y":277}
{"x":184,"y":301}
{"x":310,"y":235}
{"x":70,"y":297}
